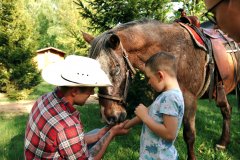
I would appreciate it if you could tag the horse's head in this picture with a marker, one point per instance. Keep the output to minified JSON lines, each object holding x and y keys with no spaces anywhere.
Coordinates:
{"x":108,"y":50}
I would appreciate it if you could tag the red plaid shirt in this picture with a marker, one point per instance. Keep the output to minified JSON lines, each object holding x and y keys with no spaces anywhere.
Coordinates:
{"x":54,"y":130}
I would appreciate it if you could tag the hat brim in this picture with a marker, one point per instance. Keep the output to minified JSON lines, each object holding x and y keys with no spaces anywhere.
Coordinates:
{"x":53,"y":75}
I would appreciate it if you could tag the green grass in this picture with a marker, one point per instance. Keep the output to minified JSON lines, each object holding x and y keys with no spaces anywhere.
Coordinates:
{"x":12,"y":130}
{"x":208,"y":124}
{"x":40,"y":89}
{"x":4,"y":98}
{"x":208,"y":128}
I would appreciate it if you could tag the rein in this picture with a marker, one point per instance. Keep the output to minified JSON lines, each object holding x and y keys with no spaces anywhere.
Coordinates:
{"x":130,"y":70}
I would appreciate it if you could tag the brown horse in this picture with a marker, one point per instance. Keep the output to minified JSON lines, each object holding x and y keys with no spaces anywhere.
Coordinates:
{"x":131,"y":44}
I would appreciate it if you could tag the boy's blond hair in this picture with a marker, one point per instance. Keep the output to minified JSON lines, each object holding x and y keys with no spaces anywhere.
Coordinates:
{"x":162,"y":61}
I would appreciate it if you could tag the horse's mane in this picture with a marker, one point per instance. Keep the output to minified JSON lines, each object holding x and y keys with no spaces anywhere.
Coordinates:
{"x":99,"y":43}
{"x":134,"y":23}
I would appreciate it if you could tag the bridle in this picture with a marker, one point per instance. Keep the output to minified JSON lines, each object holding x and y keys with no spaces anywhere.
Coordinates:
{"x":129,"y":75}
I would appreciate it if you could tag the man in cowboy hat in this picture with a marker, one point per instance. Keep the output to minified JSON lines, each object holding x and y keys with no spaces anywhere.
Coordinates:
{"x":54,"y":130}
{"x":226,"y":14}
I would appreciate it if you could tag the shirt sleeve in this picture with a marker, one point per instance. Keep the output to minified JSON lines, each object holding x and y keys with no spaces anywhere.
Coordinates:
{"x":71,"y":143}
{"x":170,"y":105}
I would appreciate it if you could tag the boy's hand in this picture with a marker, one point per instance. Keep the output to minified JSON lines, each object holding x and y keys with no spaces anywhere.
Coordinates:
{"x":119,"y":129}
{"x":132,"y":122}
{"x":141,"y":111}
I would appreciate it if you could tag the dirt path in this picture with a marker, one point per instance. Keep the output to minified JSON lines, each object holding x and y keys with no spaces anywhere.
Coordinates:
{"x":25,"y":106}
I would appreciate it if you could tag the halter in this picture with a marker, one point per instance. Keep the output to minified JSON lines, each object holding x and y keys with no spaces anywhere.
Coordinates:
{"x":130,"y":70}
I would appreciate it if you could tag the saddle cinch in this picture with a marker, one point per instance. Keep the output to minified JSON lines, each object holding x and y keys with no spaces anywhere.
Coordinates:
{"x":220,"y":48}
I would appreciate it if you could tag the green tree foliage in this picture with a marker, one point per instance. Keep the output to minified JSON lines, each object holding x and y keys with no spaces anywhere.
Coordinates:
{"x":105,"y":14}
{"x":193,"y":8}
{"x":59,"y":25}
{"x":17,"y":49}
{"x":144,"y":94}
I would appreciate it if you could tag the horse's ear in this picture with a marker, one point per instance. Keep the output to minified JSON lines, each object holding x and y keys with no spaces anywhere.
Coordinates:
{"x":113,"y":41}
{"x":87,"y":37}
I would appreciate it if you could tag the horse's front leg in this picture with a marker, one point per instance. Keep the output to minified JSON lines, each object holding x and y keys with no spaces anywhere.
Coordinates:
{"x":189,"y":123}
{"x":226,"y":111}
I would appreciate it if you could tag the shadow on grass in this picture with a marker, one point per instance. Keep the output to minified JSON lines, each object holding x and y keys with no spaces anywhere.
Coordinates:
{"x":15,"y":147}
{"x":208,"y":132}
{"x":208,"y":128}
{"x":122,"y":147}
{"x":13,"y":133}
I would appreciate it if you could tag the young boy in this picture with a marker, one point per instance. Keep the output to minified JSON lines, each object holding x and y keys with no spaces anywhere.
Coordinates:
{"x":162,"y":119}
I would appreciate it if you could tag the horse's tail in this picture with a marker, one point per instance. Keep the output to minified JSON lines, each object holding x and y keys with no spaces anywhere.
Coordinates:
{"x":238,"y":94}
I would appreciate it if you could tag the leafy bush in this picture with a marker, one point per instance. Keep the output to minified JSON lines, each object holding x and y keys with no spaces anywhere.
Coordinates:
{"x":4,"y":79}
{"x":17,"y":50}
{"x":15,"y":94}
{"x":139,"y":92}
{"x":41,"y":89}
{"x":25,"y":76}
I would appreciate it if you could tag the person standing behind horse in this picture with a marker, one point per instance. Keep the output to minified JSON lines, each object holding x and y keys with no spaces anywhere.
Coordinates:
{"x":226,"y":16}
{"x":163,"y":118}
{"x":54,"y":129}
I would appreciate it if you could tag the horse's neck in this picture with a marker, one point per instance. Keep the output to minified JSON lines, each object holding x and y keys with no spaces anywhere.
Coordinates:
{"x":237,"y":55}
{"x":142,"y":45}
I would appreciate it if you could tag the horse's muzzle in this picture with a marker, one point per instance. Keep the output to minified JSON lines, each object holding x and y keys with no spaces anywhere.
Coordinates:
{"x":112,"y":117}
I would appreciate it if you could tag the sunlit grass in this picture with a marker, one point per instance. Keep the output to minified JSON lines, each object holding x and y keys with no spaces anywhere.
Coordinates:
{"x":42,"y":88}
{"x":208,"y":128}
{"x":38,"y":90}
{"x":12,"y":130}
{"x":208,"y":124}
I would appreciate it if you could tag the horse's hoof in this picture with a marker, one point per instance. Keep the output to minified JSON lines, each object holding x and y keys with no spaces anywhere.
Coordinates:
{"x":220,"y":147}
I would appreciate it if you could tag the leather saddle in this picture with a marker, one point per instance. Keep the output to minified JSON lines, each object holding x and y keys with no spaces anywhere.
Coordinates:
{"x":221,"y":45}
{"x":220,"y":49}
{"x":222,"y":65}
{"x":188,"y":19}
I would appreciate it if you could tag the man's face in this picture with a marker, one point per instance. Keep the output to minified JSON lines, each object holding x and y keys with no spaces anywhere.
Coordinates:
{"x":83,"y":94}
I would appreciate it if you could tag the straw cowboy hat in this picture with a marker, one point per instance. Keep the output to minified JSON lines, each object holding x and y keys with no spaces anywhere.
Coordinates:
{"x":211,"y":3}
{"x":76,"y":71}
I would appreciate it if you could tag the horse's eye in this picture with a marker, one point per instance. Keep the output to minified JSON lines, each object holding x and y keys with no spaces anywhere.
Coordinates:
{"x":115,"y":71}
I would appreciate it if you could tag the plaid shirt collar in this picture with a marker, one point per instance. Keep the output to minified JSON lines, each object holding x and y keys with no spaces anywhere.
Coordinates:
{"x":67,"y":106}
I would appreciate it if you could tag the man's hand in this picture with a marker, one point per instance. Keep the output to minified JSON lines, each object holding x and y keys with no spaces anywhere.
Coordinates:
{"x":119,"y":129}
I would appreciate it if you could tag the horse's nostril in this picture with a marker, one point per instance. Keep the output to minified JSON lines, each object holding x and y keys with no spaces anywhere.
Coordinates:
{"x":111,"y":120}
{"x":122,"y":117}
{"x":119,"y":117}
